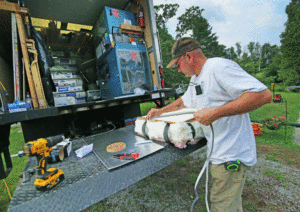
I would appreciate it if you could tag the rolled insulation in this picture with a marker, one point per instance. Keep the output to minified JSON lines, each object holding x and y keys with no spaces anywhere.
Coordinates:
{"x":179,"y":133}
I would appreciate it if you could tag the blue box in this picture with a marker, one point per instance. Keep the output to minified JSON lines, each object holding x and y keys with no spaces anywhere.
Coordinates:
{"x":108,"y":22}
{"x":18,"y":106}
{"x":127,"y":67}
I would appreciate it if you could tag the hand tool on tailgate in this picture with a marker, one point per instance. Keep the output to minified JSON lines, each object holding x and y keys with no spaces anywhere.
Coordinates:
{"x":41,"y":148}
{"x":127,"y":156}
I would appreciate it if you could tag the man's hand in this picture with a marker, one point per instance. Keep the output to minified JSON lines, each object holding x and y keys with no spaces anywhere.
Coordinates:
{"x":154,"y":112}
{"x":206,"y":116}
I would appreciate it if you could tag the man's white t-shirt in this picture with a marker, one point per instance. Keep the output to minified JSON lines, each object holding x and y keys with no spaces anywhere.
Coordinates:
{"x":223,"y":81}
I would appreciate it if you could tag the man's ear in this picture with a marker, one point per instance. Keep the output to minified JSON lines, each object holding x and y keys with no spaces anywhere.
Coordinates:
{"x":189,"y":56}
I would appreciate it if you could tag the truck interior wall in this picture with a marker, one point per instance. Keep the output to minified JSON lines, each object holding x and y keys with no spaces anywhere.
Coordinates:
{"x":148,"y":38}
{"x":6,"y":73}
{"x":6,"y":78}
{"x":5,"y":37}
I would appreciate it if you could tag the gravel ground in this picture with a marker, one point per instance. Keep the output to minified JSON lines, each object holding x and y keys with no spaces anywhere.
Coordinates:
{"x":283,"y":193}
{"x":272,"y":185}
{"x":261,"y":192}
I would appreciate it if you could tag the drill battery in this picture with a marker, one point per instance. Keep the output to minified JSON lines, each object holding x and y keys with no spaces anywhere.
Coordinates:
{"x":41,"y":148}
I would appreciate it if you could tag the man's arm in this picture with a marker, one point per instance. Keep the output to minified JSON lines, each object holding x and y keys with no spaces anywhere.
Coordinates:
{"x":176,"y":105}
{"x":247,"y":102}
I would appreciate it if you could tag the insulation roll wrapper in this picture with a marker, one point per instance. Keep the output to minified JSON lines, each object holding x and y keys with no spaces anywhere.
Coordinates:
{"x":179,"y":133}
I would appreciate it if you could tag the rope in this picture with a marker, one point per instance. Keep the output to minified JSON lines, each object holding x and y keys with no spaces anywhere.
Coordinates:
{"x":7,"y":189}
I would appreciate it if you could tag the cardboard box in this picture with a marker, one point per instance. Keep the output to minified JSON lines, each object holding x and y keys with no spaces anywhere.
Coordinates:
{"x":63,"y":101}
{"x":127,"y":27}
{"x":68,"y":82}
{"x":76,"y":94}
{"x":69,"y":88}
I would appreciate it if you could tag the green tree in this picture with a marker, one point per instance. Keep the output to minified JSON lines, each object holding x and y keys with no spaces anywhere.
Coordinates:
{"x":164,"y":13}
{"x":245,"y":62}
{"x":238,"y":49}
{"x":251,"y":47}
{"x":267,"y":53}
{"x":194,"y":23}
{"x":168,"y":11}
{"x":257,"y":52}
{"x":230,"y":53}
{"x":290,"y":45}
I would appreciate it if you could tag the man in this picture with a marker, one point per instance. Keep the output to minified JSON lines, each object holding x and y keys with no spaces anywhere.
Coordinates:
{"x":223,"y":94}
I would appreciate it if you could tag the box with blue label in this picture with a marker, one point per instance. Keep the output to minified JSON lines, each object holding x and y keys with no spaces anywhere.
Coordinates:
{"x":64,"y":75}
{"x":67,"y":82}
{"x":18,"y":106}
{"x":69,"y":88}
{"x":76,"y":94}
{"x":80,"y":100}
{"x":63,"y":68}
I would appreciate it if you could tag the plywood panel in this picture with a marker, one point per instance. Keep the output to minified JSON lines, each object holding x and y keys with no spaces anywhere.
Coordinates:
{"x":149,"y":42}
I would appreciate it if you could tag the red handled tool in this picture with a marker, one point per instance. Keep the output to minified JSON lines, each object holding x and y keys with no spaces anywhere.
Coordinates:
{"x":127,"y":156}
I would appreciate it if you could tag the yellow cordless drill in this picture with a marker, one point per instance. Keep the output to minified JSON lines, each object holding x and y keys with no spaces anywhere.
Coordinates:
{"x":41,"y":148}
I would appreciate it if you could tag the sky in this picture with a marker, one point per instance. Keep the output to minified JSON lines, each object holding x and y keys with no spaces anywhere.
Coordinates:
{"x":234,"y":21}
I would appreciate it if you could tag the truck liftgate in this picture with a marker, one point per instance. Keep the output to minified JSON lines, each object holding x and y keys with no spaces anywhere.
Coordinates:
{"x":87,"y":181}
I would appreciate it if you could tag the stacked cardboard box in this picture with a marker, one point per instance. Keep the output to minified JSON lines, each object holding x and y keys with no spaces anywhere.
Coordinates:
{"x":69,"y":84}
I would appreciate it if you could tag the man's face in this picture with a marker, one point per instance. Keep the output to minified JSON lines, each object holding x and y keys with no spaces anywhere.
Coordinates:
{"x":183,"y":66}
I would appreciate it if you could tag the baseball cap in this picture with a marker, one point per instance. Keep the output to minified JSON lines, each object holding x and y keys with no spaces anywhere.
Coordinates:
{"x":180,"y":47}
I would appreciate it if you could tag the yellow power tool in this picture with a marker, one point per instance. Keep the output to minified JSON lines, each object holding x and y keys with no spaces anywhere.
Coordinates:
{"x":41,"y":148}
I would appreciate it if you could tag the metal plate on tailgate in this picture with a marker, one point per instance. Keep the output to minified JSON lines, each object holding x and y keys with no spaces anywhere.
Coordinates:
{"x":125,"y":135}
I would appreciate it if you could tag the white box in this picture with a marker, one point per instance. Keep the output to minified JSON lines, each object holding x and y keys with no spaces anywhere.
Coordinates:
{"x":76,"y":94}
{"x":63,"y":68}
{"x":65,"y":61}
{"x":68,"y":82}
{"x":64,"y":75}
{"x":69,"y":88}
{"x":62,"y":101}
{"x":93,"y":95}
{"x":80,"y":100}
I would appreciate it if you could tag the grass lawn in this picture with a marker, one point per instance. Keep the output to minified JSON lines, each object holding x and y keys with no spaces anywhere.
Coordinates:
{"x":16,"y":144}
{"x":280,"y":138}
{"x":284,"y":136}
